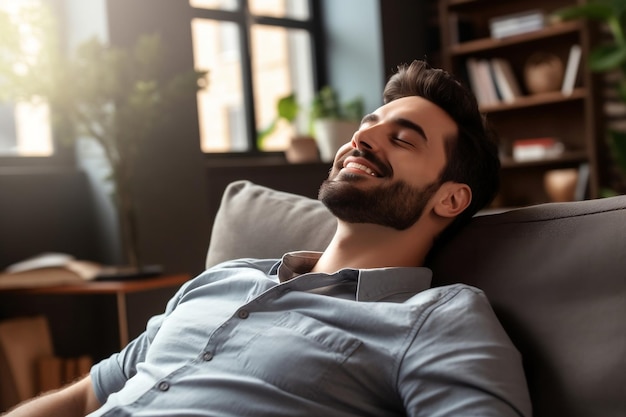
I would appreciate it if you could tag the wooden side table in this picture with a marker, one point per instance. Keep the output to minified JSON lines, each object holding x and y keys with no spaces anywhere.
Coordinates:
{"x":118,"y":288}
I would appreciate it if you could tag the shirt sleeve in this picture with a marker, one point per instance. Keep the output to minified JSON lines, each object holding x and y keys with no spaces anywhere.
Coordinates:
{"x":462,"y":363}
{"x":110,"y":375}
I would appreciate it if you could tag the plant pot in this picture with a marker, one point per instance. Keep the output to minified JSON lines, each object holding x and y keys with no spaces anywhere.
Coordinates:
{"x":331,"y":134}
{"x":302,"y":150}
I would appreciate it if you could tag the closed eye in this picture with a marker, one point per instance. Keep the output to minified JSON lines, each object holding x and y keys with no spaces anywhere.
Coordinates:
{"x":404,"y":142}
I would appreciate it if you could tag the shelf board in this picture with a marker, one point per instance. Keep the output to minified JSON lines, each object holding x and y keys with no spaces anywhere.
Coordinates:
{"x":567,"y":158}
{"x":452,"y":3}
{"x":535,"y":100}
{"x":486,"y":44}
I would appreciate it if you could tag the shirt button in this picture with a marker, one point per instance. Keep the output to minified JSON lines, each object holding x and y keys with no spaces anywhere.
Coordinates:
{"x":207,"y":356}
{"x":243,"y":314}
{"x":163,"y":386}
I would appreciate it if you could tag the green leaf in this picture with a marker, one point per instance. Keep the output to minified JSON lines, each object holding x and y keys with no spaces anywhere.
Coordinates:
{"x":353,"y":110}
{"x":619,"y":7}
{"x":607,"y":57}
{"x":288,"y":108}
{"x":595,"y":11}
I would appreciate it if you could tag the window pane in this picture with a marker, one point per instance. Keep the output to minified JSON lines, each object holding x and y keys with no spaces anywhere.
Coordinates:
{"x":220,"y":105}
{"x":25,"y":127}
{"x":215,"y":4}
{"x":284,"y":68}
{"x":293,"y":9}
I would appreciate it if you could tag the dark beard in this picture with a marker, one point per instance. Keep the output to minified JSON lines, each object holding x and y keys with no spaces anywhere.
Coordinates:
{"x":397,"y":205}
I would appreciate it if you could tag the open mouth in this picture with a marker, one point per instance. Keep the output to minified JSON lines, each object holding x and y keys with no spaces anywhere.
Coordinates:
{"x":361,"y":167}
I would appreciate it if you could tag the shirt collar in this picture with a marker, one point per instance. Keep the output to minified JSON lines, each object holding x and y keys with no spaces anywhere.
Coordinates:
{"x":372,"y":285}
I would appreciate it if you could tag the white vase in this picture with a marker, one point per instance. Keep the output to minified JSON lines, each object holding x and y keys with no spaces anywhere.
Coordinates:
{"x":331,"y":134}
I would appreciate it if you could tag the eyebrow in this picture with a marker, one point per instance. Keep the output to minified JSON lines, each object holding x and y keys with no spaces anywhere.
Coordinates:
{"x":400,"y":121}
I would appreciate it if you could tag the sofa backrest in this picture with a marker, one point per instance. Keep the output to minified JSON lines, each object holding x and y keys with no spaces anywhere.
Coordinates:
{"x":554,"y":273}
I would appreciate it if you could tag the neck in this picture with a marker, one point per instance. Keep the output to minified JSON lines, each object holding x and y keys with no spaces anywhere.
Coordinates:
{"x":364,"y":246}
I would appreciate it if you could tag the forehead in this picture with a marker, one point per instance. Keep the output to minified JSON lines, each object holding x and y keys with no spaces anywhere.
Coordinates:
{"x":433,"y":119}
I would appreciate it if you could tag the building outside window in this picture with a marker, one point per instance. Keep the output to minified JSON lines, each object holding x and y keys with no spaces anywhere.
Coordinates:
{"x":255,"y":52}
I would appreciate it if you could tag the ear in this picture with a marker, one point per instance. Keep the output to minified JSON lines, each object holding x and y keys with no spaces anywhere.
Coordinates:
{"x":452,"y":199}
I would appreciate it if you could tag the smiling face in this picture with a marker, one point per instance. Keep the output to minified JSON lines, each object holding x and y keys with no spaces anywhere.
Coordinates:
{"x":390,"y":170}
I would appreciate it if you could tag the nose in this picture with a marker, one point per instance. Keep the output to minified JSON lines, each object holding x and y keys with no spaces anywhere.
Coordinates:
{"x":364,"y":139}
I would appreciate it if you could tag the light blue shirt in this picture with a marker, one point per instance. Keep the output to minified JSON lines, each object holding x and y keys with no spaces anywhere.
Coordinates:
{"x":262,"y":338}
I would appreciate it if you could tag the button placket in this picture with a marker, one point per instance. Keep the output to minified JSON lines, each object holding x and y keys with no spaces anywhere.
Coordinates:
{"x":243,"y":314}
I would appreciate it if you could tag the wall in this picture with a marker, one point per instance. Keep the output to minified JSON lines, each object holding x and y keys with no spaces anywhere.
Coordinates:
{"x":45,"y":210}
{"x":353,"y":44}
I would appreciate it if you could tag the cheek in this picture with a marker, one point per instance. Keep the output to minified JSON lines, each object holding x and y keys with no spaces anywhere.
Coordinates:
{"x":343,"y":150}
{"x":419,"y":171}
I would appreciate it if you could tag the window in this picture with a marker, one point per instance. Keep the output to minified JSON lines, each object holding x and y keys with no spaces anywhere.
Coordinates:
{"x":24,"y":125}
{"x":256,"y":52}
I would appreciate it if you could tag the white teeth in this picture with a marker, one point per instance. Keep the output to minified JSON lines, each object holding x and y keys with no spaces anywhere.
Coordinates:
{"x":361,"y":167}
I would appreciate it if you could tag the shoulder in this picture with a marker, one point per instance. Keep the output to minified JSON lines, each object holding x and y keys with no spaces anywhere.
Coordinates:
{"x":461,"y":310}
{"x":450,"y":297}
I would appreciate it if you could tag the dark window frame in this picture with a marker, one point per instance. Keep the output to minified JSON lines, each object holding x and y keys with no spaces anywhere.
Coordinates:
{"x":245,"y":20}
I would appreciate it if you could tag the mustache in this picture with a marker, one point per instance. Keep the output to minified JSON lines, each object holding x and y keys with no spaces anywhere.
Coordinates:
{"x":384,"y":169}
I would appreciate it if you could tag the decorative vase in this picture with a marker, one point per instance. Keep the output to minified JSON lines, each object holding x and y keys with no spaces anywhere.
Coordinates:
{"x":560,"y":184}
{"x":303,"y":149}
{"x":543,"y":72}
{"x":331,"y":134}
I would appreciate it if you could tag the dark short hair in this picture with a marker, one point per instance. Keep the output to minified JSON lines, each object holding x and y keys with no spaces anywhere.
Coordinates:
{"x":471,"y":157}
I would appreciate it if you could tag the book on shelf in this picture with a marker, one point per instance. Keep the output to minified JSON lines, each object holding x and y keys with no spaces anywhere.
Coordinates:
{"x":508,"y":87}
{"x":571,"y":70}
{"x":517,"y":23}
{"x":482,"y":81}
{"x":474,"y":82}
{"x":485,"y":74}
{"x":534,"y":149}
{"x":582,"y":184}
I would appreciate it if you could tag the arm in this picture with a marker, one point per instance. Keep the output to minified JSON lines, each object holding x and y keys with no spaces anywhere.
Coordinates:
{"x":77,"y":399}
{"x":462,"y":363}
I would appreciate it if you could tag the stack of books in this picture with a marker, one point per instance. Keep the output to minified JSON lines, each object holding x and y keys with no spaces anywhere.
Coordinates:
{"x":517,"y":23}
{"x":492,"y":81}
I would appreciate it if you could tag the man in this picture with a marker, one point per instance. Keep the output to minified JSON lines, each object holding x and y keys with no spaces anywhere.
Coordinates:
{"x":356,"y":330}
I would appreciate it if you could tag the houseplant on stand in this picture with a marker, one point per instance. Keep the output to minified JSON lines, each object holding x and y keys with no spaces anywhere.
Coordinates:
{"x":113,"y":96}
{"x":609,"y":57}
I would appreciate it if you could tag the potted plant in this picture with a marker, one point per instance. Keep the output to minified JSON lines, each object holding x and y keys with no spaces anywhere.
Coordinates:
{"x":110,"y":95}
{"x":333,"y":123}
{"x":608,"y":57}
{"x":302,"y":147}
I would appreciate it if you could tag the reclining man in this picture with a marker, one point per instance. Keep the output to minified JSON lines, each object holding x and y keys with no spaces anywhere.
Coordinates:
{"x":355,"y":330}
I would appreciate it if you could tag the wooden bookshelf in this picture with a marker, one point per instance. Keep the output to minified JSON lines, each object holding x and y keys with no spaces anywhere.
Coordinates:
{"x":574,"y":119}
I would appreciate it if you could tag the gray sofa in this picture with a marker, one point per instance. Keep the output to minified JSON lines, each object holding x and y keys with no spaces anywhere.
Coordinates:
{"x":555,"y":275}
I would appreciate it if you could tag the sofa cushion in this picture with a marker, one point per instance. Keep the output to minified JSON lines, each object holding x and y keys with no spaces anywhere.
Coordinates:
{"x":258,"y":222}
{"x":556,"y":277}
{"x":555,"y":274}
